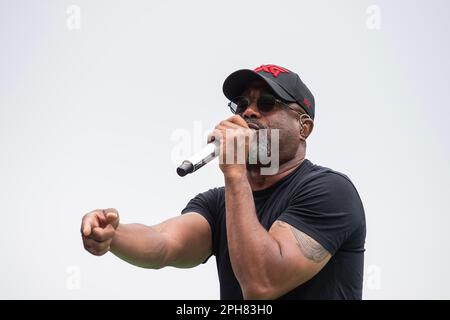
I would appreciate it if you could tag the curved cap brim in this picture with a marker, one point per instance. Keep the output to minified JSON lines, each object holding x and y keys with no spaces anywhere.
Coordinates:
{"x":237,"y":82}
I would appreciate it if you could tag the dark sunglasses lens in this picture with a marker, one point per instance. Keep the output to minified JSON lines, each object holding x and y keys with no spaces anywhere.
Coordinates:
{"x":240,"y":104}
{"x":266,"y":102}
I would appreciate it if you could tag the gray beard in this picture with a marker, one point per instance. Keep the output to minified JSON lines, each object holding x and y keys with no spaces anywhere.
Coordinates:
{"x":261,"y":147}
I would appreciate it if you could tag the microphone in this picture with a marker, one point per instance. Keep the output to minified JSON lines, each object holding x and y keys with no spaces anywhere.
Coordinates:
{"x":198,"y":160}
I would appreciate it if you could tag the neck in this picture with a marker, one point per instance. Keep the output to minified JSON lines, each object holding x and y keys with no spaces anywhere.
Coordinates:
{"x":260,"y":182}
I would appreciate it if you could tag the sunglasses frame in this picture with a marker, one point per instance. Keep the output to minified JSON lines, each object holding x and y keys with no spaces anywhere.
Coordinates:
{"x":275,"y":100}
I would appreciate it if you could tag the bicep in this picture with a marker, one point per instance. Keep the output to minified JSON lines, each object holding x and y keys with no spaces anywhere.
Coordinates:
{"x":189,"y":240}
{"x":302,"y":257}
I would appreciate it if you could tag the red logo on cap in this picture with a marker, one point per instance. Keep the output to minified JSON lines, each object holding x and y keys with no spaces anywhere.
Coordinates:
{"x":307,"y":103}
{"x":271,"y":68}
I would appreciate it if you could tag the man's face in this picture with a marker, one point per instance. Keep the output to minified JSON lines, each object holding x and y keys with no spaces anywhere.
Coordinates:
{"x":280,"y":117}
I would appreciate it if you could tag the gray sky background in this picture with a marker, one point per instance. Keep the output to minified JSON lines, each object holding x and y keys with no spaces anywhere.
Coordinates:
{"x":89,"y":116}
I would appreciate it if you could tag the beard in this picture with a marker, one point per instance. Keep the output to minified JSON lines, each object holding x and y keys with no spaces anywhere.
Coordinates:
{"x":261,"y":148}
{"x":266,"y":147}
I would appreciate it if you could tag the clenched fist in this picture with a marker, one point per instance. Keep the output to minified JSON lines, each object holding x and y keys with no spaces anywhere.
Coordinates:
{"x":97,"y":230}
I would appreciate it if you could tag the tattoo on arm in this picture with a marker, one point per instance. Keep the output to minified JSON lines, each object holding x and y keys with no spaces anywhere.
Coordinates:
{"x":309,"y":247}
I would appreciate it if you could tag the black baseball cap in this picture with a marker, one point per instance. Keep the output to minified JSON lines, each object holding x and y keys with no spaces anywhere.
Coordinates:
{"x":286,"y":84}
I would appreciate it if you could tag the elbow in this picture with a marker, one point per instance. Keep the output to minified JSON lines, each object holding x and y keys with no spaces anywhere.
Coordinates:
{"x":258,"y":291}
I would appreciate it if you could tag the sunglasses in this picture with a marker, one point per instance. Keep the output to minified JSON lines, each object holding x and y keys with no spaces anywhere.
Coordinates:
{"x":265,"y":103}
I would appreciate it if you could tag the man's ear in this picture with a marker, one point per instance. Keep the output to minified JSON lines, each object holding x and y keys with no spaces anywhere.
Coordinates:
{"x":306,"y":126}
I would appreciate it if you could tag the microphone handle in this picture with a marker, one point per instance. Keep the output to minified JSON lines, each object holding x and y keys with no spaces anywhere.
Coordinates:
{"x":198,"y":160}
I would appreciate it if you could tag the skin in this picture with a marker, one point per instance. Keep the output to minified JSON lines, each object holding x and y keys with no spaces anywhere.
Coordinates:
{"x":267,"y":264}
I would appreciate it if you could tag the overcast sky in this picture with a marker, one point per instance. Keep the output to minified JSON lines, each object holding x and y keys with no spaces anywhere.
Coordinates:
{"x":94,"y":95}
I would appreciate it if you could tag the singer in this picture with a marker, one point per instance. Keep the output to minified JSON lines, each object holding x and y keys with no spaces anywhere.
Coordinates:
{"x":297,"y":233}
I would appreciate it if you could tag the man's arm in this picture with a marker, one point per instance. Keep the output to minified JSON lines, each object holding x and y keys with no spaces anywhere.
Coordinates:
{"x":267,"y":264}
{"x":183,"y":241}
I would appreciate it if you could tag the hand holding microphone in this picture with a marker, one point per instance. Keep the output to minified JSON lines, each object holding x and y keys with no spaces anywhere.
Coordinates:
{"x":228,"y":133}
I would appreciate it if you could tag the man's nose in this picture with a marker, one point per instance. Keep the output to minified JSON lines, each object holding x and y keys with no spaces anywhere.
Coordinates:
{"x":251,"y":112}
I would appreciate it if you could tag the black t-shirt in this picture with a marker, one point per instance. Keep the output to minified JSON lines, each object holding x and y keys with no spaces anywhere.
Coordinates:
{"x":316,"y":200}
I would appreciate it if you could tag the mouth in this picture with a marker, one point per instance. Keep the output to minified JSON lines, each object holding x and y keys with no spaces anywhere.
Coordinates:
{"x":254,"y":126}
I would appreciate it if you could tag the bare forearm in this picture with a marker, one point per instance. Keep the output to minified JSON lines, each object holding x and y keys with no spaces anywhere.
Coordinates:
{"x":140,"y":245}
{"x":252,"y":249}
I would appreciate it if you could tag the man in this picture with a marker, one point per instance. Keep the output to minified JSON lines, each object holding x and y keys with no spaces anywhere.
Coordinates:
{"x":295,"y":234}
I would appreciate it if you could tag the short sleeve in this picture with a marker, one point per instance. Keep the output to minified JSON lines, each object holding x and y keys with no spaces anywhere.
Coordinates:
{"x":327,"y":208}
{"x":205,"y":204}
